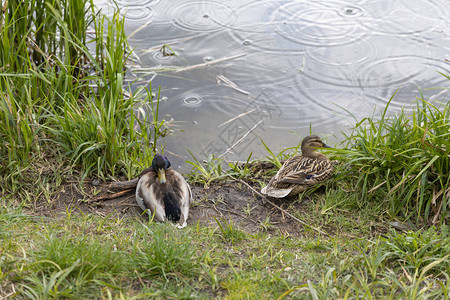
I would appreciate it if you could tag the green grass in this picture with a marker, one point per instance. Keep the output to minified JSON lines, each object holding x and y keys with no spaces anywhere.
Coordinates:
{"x":84,"y":256}
{"x":63,"y":106}
{"x":160,"y":251}
{"x":67,"y":266}
{"x":207,"y":171}
{"x":404,"y":161}
{"x":229,"y":231}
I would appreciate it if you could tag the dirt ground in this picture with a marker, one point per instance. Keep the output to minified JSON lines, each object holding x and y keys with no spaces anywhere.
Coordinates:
{"x":231,"y":201}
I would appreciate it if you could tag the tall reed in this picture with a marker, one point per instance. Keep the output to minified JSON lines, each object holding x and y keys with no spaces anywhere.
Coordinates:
{"x":58,"y":95}
{"x":39,"y":61}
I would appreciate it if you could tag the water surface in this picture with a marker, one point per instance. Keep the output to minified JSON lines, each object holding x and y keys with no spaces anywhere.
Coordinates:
{"x":277,"y":70}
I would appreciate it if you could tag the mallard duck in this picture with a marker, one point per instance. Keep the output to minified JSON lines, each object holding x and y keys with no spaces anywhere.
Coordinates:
{"x":164,"y":192}
{"x":301,"y":171}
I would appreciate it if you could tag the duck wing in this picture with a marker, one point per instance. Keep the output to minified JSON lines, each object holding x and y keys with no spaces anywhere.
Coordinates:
{"x":304,"y":170}
{"x":150,"y":195}
{"x":276,"y":192}
{"x":182,"y":192}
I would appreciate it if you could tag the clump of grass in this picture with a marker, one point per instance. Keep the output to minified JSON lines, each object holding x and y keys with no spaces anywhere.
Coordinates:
{"x":241,"y":288}
{"x":214,"y":168}
{"x":68,"y":267}
{"x":243,"y":170}
{"x":382,"y":270}
{"x":229,"y":232}
{"x":404,"y":159}
{"x":162,"y":250}
{"x":278,"y":159}
{"x":95,"y":134}
{"x":417,"y":251}
{"x":30,"y":39}
{"x":19,"y":133}
{"x":408,"y":265}
{"x":11,"y":252}
{"x":39,"y":62}
{"x":9,"y":216}
{"x":206,"y":172}
{"x":89,"y":257}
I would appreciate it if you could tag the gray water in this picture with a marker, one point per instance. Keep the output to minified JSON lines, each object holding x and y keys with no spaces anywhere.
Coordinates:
{"x":291,"y":67}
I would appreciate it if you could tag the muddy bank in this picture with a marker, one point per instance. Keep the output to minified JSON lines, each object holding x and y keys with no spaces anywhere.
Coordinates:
{"x":231,"y":201}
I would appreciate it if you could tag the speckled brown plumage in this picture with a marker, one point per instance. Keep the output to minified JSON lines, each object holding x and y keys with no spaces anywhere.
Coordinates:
{"x":301,"y":171}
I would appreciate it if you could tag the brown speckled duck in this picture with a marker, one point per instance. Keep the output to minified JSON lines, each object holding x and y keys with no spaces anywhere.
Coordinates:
{"x":301,"y":171}
{"x":164,"y":192}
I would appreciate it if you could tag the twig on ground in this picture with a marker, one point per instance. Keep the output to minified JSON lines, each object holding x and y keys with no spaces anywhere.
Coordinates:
{"x":279,"y":208}
{"x":121,"y":185}
{"x":126,"y":199}
{"x":111,"y":196}
{"x":215,"y":208}
{"x":81,"y":192}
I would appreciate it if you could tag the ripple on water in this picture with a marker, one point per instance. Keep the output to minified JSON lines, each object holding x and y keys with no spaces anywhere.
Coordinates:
{"x":338,"y":65}
{"x":317,"y":23}
{"x":252,"y":27}
{"x":208,"y":58}
{"x":345,"y":54}
{"x":202,"y":16}
{"x":406,"y":17}
{"x":254,"y":16}
{"x":192,"y":100}
{"x":125,"y":3}
{"x":219,"y":101}
{"x":403,"y":100}
{"x":303,"y":107}
{"x":397,"y":70}
{"x":137,"y":12}
{"x":351,"y":11}
{"x":158,"y":55}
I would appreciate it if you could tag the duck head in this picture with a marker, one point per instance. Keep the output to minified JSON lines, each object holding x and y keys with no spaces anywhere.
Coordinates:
{"x":160,"y":164}
{"x":310,"y":143}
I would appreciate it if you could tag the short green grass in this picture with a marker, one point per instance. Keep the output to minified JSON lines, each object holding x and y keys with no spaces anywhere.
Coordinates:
{"x":90,"y":257}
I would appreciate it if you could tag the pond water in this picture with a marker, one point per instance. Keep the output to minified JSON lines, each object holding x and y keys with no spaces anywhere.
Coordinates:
{"x":276,"y":70}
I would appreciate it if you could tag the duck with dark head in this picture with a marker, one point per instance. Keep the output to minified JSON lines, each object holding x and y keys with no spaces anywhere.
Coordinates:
{"x":163,"y":192}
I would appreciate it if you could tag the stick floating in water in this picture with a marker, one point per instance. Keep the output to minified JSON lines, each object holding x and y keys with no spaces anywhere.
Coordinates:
{"x":209,"y":63}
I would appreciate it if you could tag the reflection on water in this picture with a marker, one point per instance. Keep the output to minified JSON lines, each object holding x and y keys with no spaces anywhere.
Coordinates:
{"x":296,"y":65}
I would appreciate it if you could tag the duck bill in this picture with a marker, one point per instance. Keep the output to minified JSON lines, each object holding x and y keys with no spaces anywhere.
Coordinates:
{"x":326,"y":146}
{"x":162,"y":176}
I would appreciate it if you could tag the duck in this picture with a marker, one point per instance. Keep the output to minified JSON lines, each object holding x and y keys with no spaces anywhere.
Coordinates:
{"x":163,"y":192}
{"x":301,"y":171}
